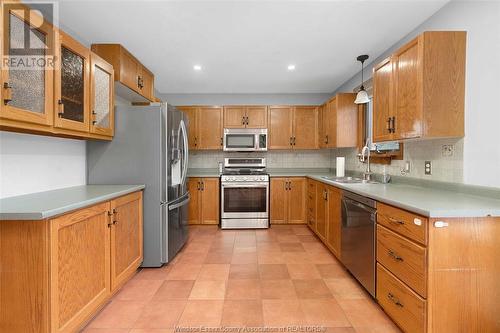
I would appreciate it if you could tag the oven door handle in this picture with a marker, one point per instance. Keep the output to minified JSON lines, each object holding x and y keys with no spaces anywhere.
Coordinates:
{"x":243,"y":185}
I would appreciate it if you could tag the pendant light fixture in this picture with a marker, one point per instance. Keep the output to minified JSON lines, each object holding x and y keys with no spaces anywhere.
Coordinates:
{"x":362,"y":96}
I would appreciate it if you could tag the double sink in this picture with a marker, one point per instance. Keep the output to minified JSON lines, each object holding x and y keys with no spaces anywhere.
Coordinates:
{"x":349,"y":180}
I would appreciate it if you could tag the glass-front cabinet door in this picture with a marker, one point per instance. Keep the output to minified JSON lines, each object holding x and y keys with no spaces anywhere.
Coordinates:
{"x":72,"y":102}
{"x":27,"y":67}
{"x":101,"y":96}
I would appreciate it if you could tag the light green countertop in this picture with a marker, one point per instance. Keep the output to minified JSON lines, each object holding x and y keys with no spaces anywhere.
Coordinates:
{"x":43,"y":205}
{"x":427,"y":198}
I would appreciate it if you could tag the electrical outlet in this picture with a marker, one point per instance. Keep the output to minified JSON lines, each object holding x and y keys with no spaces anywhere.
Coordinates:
{"x":447,"y":150}
{"x":428,"y":167}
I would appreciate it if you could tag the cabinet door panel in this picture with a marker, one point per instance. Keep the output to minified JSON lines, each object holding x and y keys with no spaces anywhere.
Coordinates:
{"x":278,"y":201}
{"x":257,"y":116}
{"x":331,"y":124}
{"x":334,"y":220}
{"x":126,"y":237}
{"x":234,"y":116}
{"x":72,"y":85}
{"x":297,"y":201}
{"x":407,"y":103}
{"x":129,"y":71}
{"x":280,"y":127}
{"x":146,"y":87}
{"x":382,"y":101}
{"x":305,"y":129}
{"x":195,"y":200}
{"x":321,"y":205}
{"x":80,"y":261}
{"x":210,"y":201}
{"x":191,"y":114}
{"x":27,"y":94}
{"x":101,"y":96}
{"x":210,"y":127}
{"x":347,"y":121}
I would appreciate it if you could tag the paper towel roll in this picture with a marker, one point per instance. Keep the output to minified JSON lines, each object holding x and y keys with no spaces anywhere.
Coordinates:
{"x":340,"y":166}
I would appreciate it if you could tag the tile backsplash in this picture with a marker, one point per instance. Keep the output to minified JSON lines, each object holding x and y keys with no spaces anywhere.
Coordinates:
{"x":275,"y":159}
{"x":446,"y":166}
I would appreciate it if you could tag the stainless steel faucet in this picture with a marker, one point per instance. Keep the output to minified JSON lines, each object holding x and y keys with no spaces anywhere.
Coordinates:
{"x":364,"y":157}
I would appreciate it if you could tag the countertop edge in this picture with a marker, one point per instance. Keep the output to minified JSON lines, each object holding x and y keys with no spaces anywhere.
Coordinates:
{"x":458,"y":213}
{"x":35,"y":216}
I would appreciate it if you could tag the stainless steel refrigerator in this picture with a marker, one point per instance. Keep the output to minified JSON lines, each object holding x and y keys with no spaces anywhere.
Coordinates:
{"x":150,"y":147}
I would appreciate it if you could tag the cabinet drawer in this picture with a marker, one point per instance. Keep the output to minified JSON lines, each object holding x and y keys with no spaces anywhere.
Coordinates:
{"x":405,"y":223}
{"x":404,"y":306}
{"x":405,"y":259}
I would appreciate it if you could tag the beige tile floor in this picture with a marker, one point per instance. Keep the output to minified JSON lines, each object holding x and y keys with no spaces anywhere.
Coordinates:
{"x":282,"y":276}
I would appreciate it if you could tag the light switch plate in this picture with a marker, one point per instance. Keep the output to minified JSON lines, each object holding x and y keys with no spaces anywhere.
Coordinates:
{"x":428,"y":168}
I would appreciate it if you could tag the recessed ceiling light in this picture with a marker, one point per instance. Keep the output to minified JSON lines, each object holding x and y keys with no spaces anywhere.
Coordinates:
{"x":291,"y":67}
{"x":197,"y":67}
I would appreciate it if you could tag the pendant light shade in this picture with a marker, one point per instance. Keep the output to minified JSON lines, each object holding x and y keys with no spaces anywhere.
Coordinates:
{"x":362,"y":96}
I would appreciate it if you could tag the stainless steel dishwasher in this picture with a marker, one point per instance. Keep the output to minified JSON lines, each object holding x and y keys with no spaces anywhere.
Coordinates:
{"x":358,"y":238}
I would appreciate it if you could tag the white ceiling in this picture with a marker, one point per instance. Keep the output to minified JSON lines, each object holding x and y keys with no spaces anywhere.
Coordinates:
{"x":246,"y":46}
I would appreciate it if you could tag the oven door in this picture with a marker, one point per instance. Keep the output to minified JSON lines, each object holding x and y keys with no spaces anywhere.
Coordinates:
{"x":245,"y":200}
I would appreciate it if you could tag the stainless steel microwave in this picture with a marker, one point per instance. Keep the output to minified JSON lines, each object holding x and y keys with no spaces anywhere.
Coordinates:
{"x":245,"y":139}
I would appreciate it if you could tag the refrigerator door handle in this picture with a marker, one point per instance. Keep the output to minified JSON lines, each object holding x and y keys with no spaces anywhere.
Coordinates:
{"x":179,"y":204}
{"x":186,"y":151}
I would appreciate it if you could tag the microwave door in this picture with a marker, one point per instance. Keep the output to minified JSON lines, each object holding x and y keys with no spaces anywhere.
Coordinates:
{"x":239,"y":142}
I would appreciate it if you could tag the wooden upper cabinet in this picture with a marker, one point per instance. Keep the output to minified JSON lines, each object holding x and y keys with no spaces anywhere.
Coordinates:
{"x":191,"y":113}
{"x":126,"y":237}
{"x":128,"y":70}
{"x":305,"y":129}
{"x":419,"y":91}
{"x":256,"y":116}
{"x":72,"y":82}
{"x":101,"y":96}
{"x":209,"y":127}
{"x":280,"y":124}
{"x":245,"y":116}
{"x":146,"y":83}
{"x":293,"y":127}
{"x":340,"y":122}
{"x":27,"y":95}
{"x":234,"y":117}
{"x":382,"y":101}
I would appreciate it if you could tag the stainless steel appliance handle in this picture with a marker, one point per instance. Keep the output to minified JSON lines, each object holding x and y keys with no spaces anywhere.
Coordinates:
{"x":179,"y":204}
{"x":186,"y":151}
{"x":240,"y":185}
{"x":358,"y":204}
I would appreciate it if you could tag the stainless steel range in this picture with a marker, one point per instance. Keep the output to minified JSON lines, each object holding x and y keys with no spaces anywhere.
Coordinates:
{"x":244,"y":194}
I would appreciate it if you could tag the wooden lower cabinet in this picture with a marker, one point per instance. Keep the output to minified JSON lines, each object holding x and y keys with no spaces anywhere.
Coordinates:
{"x":288,"y":202}
{"x":448,"y":281}
{"x":325,"y":214}
{"x":57,"y":273}
{"x":126,"y":238}
{"x":334,"y":221}
{"x":204,"y":203}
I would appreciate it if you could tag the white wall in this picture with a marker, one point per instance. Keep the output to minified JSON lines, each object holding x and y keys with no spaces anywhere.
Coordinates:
{"x":33,"y":163}
{"x":481,"y":20}
{"x":242,"y":99}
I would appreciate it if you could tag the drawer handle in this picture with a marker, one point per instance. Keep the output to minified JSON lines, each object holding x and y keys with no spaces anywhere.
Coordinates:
{"x":394,"y":221}
{"x":392,"y":254}
{"x":394,"y":300}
